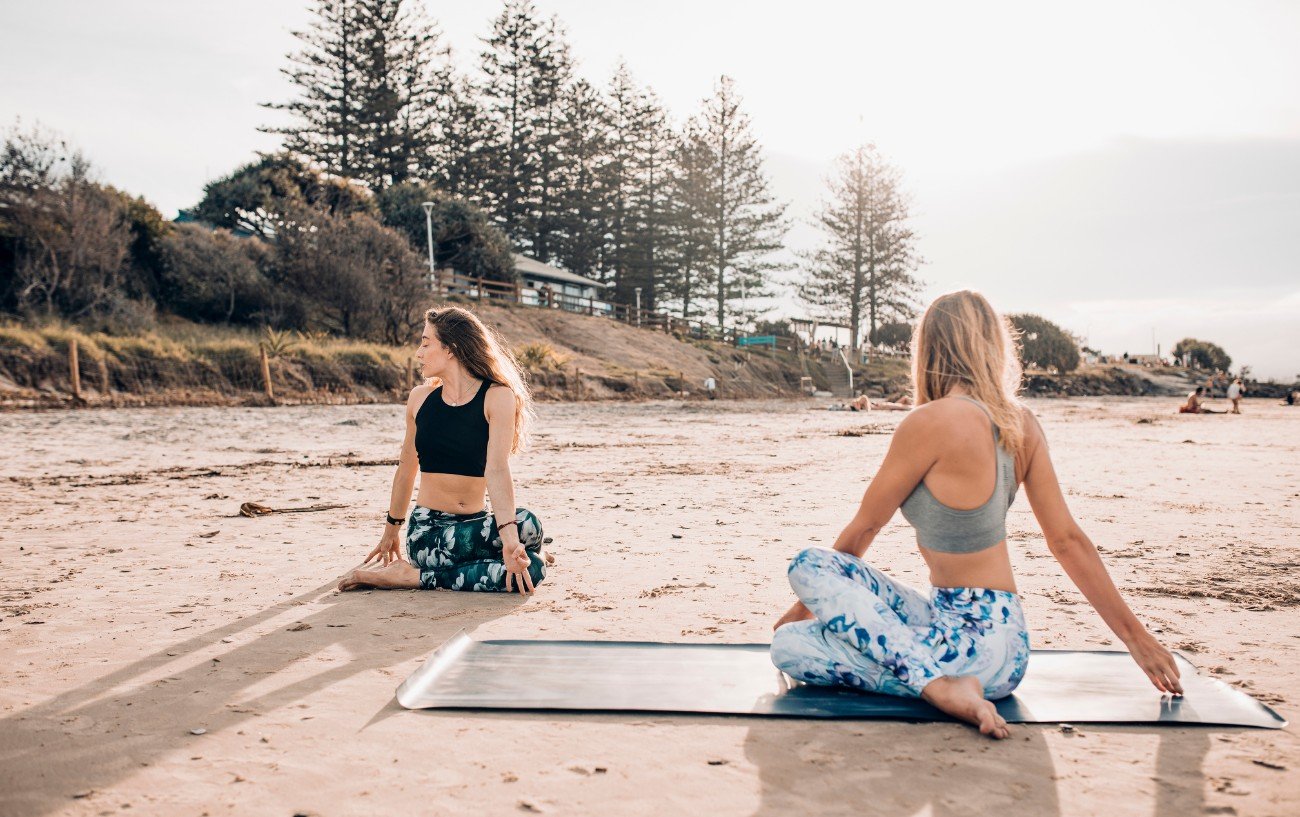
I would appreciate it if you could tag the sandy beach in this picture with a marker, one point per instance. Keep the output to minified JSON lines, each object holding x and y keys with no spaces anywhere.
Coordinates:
{"x":164,"y":655}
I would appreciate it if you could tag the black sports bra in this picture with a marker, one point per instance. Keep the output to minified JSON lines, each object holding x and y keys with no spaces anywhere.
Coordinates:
{"x":452,"y":439}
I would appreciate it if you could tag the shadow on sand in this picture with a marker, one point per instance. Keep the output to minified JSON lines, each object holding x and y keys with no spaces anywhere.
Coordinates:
{"x":100,"y":733}
{"x":876,"y":767}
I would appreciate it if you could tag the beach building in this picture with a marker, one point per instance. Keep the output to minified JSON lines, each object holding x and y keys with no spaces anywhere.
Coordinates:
{"x":544,"y":284}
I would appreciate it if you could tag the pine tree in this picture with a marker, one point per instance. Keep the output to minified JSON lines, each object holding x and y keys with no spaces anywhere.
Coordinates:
{"x":509,"y":67}
{"x":460,"y":160}
{"x":869,"y":255}
{"x":406,"y":71}
{"x":628,"y":124}
{"x":327,"y":72}
{"x":552,"y":74}
{"x":582,"y":206}
{"x":688,"y":280}
{"x":366,"y":75}
{"x":744,"y":222}
{"x":650,"y":213}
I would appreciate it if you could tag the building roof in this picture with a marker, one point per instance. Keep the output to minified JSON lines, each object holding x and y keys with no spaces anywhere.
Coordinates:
{"x":536,"y":269}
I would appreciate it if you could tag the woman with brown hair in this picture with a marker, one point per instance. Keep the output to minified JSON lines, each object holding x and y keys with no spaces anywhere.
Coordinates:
{"x":952,"y":469}
{"x":462,"y":425}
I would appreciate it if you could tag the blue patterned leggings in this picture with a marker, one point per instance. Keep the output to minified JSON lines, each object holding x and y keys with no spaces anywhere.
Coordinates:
{"x":879,"y":635}
{"x":463,"y":551}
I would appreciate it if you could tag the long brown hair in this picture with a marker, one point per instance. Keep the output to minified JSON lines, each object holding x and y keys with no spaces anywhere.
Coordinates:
{"x":485,"y":355}
{"x":962,"y":339}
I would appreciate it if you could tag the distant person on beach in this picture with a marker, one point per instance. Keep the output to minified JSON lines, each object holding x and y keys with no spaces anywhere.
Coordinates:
{"x":1194,"y":405}
{"x":462,"y":425}
{"x":1235,"y":390}
{"x":953,"y":469}
{"x":859,"y":403}
{"x":864,"y":403}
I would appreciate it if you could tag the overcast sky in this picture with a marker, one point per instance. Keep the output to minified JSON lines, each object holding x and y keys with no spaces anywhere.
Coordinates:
{"x":1128,"y":169}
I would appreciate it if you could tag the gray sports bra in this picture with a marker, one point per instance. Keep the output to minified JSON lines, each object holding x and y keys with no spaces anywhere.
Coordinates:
{"x":949,"y":530}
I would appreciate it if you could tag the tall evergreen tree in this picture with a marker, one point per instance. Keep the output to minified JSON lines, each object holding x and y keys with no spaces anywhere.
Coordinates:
{"x":869,"y":254}
{"x":328,"y":112}
{"x":406,"y":70}
{"x":744,"y":222}
{"x":509,"y":67}
{"x":365,"y":76}
{"x":460,"y":160}
{"x":689,"y":279}
{"x":649,"y":225}
{"x":582,"y":207}
{"x":629,"y":121}
{"x":552,"y":74}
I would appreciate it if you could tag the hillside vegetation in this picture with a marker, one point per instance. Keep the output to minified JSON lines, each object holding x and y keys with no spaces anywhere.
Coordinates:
{"x":567,"y":356}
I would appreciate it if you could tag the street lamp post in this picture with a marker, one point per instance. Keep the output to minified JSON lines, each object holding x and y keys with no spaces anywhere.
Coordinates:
{"x":638,"y":306}
{"x":428,"y":226}
{"x":744,"y":321}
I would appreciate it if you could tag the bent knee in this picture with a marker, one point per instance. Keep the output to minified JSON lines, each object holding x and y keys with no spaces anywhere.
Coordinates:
{"x":783,"y":650}
{"x":808,"y":558}
{"x":794,"y":644}
{"x":808,"y":563}
{"x":536,"y":568}
{"x":530,"y":527}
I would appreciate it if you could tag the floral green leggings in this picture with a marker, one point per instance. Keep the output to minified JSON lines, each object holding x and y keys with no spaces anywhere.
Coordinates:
{"x":463,"y":551}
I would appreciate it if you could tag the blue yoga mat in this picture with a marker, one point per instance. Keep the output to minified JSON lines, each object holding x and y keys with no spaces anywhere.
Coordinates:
{"x":739,"y":679}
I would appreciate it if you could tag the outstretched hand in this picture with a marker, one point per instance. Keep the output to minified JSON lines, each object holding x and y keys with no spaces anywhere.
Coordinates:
{"x":1157,"y":662}
{"x":389,"y":548}
{"x":516,"y":560}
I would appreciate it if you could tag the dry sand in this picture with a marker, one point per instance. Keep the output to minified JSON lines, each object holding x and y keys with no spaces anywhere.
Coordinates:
{"x":135,"y":609}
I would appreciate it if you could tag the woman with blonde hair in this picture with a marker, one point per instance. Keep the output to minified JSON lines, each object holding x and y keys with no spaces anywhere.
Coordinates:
{"x":462,"y":425}
{"x":953,"y":469}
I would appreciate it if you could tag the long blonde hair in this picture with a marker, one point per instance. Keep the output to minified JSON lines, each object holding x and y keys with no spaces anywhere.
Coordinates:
{"x":961,"y":339}
{"x":485,"y":355}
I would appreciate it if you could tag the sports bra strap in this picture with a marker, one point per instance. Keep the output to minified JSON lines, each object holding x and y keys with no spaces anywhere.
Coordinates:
{"x":982,"y":408}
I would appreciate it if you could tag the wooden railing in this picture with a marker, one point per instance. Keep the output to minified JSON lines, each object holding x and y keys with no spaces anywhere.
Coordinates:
{"x":448,"y":282}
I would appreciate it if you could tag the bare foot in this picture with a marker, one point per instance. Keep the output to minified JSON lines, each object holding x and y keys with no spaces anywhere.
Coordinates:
{"x":962,"y":696}
{"x":396,"y":575}
{"x":548,"y":557}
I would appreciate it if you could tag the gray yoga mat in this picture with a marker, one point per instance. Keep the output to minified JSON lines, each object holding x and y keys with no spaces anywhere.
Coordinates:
{"x":738,"y":679}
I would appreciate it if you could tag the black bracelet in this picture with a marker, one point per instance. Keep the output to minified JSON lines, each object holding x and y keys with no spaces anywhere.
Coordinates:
{"x":393,"y":521}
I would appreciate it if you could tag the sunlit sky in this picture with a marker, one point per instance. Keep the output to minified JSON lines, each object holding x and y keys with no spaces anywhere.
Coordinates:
{"x":1129,"y":170}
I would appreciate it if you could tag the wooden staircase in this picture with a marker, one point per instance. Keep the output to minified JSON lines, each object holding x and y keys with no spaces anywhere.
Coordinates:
{"x":839,"y":376}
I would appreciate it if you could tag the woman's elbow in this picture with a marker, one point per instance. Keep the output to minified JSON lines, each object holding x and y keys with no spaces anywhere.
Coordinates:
{"x":1068,"y":542}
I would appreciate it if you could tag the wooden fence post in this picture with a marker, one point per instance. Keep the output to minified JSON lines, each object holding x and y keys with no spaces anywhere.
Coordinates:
{"x":410,"y":373}
{"x":266,"y":372}
{"x":74,"y":366}
{"x":681,"y":383}
{"x":636,"y":382}
{"x":102,"y":363}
